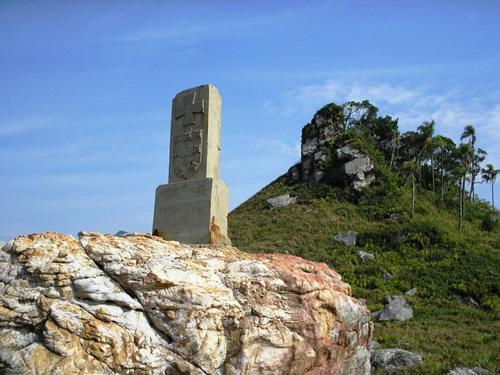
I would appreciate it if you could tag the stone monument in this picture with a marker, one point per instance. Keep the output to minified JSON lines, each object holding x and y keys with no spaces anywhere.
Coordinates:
{"x":192,"y":207}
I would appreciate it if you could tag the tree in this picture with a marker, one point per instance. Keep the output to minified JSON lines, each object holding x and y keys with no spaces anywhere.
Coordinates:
{"x":489,"y":176}
{"x":475,"y":169}
{"x":358,"y":113}
{"x":470,"y":133}
{"x":425,"y":139}
{"x":409,"y":146}
{"x":464,"y":154}
{"x":460,"y":173}
{"x":395,"y":144}
{"x":412,"y":168}
{"x":441,"y":145}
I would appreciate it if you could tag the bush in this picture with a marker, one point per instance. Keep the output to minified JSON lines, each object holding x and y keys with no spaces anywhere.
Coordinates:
{"x":488,"y":223}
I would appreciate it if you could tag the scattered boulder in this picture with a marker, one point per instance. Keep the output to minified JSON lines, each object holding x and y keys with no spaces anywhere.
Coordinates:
{"x":467,"y":300}
{"x":412,"y":292}
{"x":365,"y":257}
{"x":467,"y":371}
{"x":396,"y":308}
{"x":392,"y":360}
{"x":281,"y":201}
{"x":387,"y":276}
{"x":347,"y":238}
{"x":139,"y":304}
{"x":471,"y":302}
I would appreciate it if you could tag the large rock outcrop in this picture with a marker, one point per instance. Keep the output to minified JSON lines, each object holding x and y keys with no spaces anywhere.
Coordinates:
{"x":141,"y":305}
{"x":355,"y":170}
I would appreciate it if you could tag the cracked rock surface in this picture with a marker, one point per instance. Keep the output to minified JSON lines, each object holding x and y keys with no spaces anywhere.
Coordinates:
{"x":141,"y":305}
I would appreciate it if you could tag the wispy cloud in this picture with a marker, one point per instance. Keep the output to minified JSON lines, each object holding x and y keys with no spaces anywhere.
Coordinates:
{"x":182,"y":32}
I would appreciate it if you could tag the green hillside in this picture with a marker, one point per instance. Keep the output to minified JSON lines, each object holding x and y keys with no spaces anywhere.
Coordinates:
{"x":424,"y":249}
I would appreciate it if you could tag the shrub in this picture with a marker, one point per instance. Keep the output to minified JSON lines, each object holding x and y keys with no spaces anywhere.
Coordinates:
{"x":488,"y":223}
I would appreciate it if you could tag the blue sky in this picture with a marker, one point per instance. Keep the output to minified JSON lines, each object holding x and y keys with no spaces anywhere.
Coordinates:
{"x":86,"y":88}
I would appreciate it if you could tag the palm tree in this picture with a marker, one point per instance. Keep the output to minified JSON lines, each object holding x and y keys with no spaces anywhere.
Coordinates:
{"x":395,"y":144}
{"x":477,"y":159}
{"x":470,"y":133}
{"x":425,"y":134}
{"x":460,"y":173}
{"x":464,"y":155}
{"x":412,"y":168}
{"x":441,"y":144}
{"x":489,"y":176}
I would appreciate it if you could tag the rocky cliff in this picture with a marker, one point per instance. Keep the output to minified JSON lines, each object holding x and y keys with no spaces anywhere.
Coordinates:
{"x":139,"y":304}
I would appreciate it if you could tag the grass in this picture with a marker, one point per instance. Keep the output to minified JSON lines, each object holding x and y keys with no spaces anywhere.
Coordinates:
{"x":444,"y":264}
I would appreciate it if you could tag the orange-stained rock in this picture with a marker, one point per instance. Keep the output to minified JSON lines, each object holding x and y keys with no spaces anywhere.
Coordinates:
{"x":142,"y":305}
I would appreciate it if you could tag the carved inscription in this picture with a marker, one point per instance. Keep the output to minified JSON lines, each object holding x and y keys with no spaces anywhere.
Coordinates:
{"x":187,"y":153}
{"x":188,"y":145}
{"x":188,"y":106}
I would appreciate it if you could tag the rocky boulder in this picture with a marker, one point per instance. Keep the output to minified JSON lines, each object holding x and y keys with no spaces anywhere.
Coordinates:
{"x":140,"y":305}
{"x":365,"y":257}
{"x":387,"y":276}
{"x":412,"y":292}
{"x":346,"y":238}
{"x":396,"y":308}
{"x":467,"y":371}
{"x":392,"y":360}
{"x":281,"y":201}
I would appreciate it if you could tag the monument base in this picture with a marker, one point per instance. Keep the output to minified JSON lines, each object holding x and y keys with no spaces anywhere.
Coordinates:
{"x":192,"y":212}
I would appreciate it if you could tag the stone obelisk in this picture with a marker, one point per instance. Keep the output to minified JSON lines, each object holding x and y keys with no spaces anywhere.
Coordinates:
{"x":192,"y":207}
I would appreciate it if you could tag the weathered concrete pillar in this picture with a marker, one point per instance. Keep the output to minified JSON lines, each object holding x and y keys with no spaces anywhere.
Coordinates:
{"x":192,"y":207}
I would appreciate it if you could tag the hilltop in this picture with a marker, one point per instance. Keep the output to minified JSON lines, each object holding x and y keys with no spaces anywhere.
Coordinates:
{"x":410,"y":200}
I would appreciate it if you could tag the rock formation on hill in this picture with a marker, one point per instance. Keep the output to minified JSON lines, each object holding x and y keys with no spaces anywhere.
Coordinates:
{"x":354,"y":169}
{"x":139,"y":304}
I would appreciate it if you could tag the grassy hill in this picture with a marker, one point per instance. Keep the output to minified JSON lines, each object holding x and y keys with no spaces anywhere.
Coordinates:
{"x":450,"y":267}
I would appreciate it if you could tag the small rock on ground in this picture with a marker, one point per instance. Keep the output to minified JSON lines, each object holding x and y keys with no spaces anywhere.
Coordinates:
{"x":347,"y":238}
{"x":281,"y":201}
{"x":365,"y":257}
{"x":412,"y":292}
{"x":387,"y":276}
{"x":392,"y":360}
{"x":396,"y":308}
{"x":467,"y":371}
